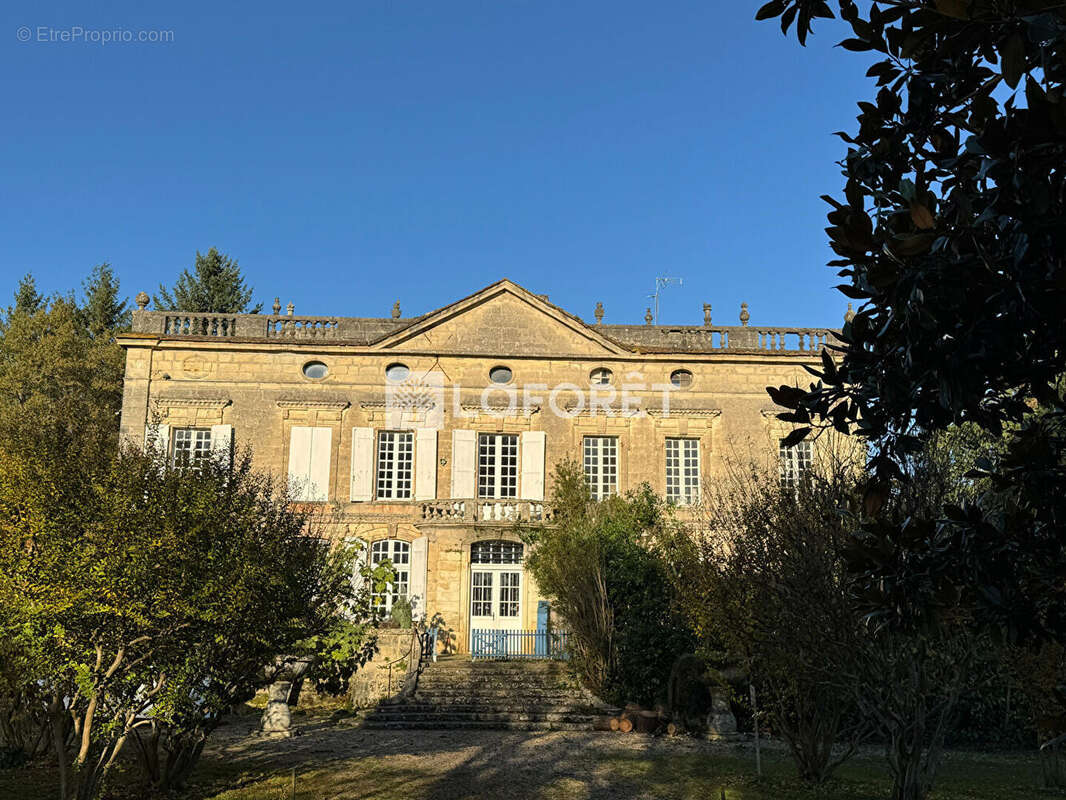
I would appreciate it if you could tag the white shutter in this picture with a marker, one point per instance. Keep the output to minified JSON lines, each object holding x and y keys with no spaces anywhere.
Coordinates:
{"x":321,"y":449}
{"x":425,"y":464}
{"x":222,"y":443}
{"x":533,"y":443}
{"x":157,"y":440}
{"x":362,"y":464}
{"x":416,"y":590}
{"x":300,"y":462}
{"x":464,"y":460}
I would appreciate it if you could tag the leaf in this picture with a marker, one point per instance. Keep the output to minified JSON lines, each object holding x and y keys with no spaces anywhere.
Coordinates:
{"x":771,"y":9}
{"x":959,"y":9}
{"x":795,"y":437}
{"x":1012,"y":59}
{"x":856,"y":45}
{"x":922,"y":217}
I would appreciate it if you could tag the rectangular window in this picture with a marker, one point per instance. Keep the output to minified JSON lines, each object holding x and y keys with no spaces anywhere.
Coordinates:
{"x":683,"y":471}
{"x":510,"y":583}
{"x":601,"y":465}
{"x":481,"y":595}
{"x":190,"y":447}
{"x":793,"y":462}
{"x":398,"y":554}
{"x":396,"y":452}
{"x":497,"y":465}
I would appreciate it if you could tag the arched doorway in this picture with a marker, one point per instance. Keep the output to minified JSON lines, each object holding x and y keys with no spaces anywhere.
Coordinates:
{"x":496,"y":589}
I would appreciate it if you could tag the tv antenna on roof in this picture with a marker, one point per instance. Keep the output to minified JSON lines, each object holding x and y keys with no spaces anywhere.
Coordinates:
{"x":660,"y":284}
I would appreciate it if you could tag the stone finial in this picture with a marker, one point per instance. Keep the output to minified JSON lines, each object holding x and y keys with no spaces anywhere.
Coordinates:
{"x":648,"y":318}
{"x":396,"y":310}
{"x":141,"y":300}
{"x":598,"y":313}
{"x":744,"y":315}
{"x":707,"y":314}
{"x":849,"y":315}
{"x":289,"y":309}
{"x":277,"y":306}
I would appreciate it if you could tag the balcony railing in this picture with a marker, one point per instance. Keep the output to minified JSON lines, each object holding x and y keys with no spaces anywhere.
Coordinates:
{"x":486,"y":511}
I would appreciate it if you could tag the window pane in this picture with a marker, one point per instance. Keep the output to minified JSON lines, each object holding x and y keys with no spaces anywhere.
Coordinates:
{"x":395,"y":465}
{"x":793,"y":462}
{"x":481,"y":594}
{"x":496,"y":552}
{"x":398,"y":554}
{"x":601,"y":465}
{"x":510,"y":583}
{"x":497,"y":465}
{"x":191,"y":447}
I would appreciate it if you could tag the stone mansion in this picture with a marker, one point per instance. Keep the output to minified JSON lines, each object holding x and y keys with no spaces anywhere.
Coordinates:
{"x":428,"y":437}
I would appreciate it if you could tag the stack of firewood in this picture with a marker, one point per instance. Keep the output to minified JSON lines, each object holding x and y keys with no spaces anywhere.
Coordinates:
{"x":635,"y":718}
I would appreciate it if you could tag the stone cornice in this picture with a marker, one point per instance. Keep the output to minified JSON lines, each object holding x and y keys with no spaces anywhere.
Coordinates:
{"x":192,"y":402}
{"x":322,"y":404}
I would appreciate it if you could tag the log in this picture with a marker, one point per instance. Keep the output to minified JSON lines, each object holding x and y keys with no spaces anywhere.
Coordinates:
{"x":647,"y":722}
{"x":673,"y":729}
{"x":604,"y":724}
{"x":615,"y":722}
{"x":625,"y":724}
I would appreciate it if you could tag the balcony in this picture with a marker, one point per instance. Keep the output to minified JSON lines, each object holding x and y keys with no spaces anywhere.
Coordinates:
{"x":473,"y":512}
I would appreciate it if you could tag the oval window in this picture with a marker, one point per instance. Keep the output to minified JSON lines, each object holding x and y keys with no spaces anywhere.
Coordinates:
{"x":681,"y":378}
{"x":315,"y":370}
{"x":500,"y":375}
{"x":600,"y":377}
{"x":397,"y":372}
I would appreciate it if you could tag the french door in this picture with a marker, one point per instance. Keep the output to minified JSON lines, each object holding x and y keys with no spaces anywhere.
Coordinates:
{"x":495,"y":608}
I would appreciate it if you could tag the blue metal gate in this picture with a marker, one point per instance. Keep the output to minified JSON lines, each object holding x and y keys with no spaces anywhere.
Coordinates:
{"x":546,"y":645}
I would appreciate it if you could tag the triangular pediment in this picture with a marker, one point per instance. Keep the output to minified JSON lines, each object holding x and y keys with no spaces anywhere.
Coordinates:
{"x":502,"y":320}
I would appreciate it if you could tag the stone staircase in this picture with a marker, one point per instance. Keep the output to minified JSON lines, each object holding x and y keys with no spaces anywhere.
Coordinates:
{"x":456,"y":692}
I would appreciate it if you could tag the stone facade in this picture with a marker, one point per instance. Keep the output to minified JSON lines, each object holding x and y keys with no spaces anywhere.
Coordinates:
{"x":242,"y":379}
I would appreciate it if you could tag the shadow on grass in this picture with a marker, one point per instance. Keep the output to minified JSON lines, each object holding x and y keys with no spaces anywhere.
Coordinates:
{"x":341,"y":762}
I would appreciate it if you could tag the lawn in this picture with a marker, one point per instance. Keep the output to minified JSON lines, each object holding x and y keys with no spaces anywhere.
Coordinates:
{"x":339,"y":761}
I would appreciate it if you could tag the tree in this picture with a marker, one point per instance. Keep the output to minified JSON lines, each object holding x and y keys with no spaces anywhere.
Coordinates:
{"x":149,"y":600}
{"x":950,"y":233}
{"x":105,"y":314}
{"x":764,"y":584}
{"x":215,"y":285}
{"x":27,"y":299}
{"x":769,"y":581}
{"x":598,"y":565}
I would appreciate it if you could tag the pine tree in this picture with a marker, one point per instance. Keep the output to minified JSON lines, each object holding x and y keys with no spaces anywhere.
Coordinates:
{"x":104,"y":313}
{"x":27,"y":298}
{"x":215,"y":286}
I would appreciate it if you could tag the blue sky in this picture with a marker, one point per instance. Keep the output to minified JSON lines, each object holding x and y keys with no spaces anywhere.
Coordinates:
{"x":349,"y":154}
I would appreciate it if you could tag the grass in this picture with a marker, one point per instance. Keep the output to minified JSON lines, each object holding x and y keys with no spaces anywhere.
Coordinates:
{"x":437,"y":765}
{"x":677,"y":777}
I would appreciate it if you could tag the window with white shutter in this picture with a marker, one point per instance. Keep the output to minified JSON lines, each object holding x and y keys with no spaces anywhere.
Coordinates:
{"x":683,"y":471}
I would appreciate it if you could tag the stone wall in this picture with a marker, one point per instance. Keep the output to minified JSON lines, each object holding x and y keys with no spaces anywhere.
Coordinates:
{"x":374,"y":681}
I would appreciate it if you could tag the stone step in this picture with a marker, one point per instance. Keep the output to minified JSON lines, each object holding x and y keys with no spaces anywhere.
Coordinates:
{"x":494,"y":686}
{"x":517,"y":694}
{"x":457,"y":725}
{"x":479,"y":716}
{"x":478,"y":708}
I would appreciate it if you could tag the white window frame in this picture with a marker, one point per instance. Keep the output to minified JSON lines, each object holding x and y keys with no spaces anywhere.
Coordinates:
{"x":394,"y":475}
{"x":398,"y":553}
{"x":793,"y":462}
{"x":190,"y":447}
{"x":600,"y":458}
{"x":497,"y":465}
{"x":683,"y":470}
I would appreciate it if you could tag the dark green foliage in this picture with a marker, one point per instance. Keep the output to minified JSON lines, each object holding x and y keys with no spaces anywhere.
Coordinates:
{"x":105,"y":314}
{"x":215,"y":285}
{"x":27,"y":299}
{"x":950,"y":232}
{"x":599,"y":567}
